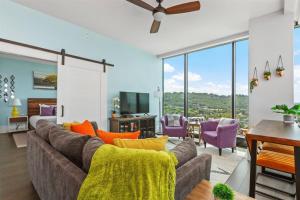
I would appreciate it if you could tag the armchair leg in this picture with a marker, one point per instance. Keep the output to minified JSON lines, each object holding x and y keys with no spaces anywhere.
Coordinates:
{"x":233,"y":148}
{"x":204,"y":144}
{"x":220,"y":152}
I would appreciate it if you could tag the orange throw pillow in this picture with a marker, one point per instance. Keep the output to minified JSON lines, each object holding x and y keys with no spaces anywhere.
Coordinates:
{"x":109,"y":137}
{"x":86,"y":128}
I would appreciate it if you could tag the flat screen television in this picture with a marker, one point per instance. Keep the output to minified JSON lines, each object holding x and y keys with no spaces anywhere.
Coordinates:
{"x":134,"y":103}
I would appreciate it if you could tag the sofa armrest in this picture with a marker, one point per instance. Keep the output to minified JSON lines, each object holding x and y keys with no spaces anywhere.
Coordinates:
{"x":227,"y":135}
{"x":185,"y":151}
{"x":190,"y":174}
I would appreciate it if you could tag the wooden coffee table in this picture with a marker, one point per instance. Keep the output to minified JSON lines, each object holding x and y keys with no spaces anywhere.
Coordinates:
{"x":203,"y":191}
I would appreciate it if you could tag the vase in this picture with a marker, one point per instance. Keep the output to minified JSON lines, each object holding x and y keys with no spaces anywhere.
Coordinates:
{"x":255,"y":83}
{"x":280,"y":73}
{"x":267,"y":77}
{"x":288,"y":119}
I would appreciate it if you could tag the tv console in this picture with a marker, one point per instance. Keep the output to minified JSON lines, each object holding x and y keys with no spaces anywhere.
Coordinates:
{"x":146,"y":124}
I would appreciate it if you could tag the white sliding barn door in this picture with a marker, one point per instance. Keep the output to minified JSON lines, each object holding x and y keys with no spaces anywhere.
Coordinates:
{"x":81,"y":92}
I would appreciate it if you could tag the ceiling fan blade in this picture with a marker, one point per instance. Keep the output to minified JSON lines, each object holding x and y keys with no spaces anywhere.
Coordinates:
{"x":142,"y":4}
{"x":184,"y":8}
{"x":155,"y":26}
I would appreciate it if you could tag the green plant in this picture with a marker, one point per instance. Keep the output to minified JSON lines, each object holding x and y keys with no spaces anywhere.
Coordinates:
{"x":284,"y":109}
{"x":280,"y":69}
{"x":223,"y":192}
{"x":253,"y":83}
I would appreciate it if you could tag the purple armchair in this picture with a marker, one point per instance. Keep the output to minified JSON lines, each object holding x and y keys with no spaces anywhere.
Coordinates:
{"x":219,"y":136}
{"x":175,"y":131}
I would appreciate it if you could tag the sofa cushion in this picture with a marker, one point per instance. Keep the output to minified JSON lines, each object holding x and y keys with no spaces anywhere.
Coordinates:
{"x":210,"y":134}
{"x":185,"y":151}
{"x":88,"y":151}
{"x":173,"y":120}
{"x":225,"y":121}
{"x":108,"y":137}
{"x":86,"y":128}
{"x":69,"y":144}
{"x":43,"y":128}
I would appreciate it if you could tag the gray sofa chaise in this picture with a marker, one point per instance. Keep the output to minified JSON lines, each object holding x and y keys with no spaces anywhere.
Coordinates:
{"x":58,"y":162}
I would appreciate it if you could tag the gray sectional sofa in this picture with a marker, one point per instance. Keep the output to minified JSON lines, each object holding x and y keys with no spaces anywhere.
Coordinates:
{"x":58,"y":162}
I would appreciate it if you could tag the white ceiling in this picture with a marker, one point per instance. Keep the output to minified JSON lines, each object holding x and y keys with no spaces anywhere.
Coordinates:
{"x":126,"y":22}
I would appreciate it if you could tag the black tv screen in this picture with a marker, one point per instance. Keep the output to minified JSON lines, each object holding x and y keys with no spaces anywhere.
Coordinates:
{"x":134,"y":103}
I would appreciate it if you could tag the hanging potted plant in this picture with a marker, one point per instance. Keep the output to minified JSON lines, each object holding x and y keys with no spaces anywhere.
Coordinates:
{"x":116,"y":106}
{"x":254,"y":80}
{"x":223,"y":192}
{"x":280,"y":68}
{"x":267,"y":72}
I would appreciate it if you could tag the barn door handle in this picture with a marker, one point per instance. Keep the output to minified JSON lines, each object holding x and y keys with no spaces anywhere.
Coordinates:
{"x":62,"y":110}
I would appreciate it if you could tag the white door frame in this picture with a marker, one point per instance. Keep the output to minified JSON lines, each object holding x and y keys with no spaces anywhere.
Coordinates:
{"x":28,"y":52}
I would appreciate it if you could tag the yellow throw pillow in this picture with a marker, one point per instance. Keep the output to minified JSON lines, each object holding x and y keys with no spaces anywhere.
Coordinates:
{"x":67,"y":125}
{"x":158,"y":144}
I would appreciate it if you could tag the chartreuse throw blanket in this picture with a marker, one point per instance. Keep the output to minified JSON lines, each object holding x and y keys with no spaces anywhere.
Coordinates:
{"x":130,"y":174}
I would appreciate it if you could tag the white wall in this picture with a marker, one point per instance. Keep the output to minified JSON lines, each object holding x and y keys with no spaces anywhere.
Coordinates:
{"x":269,"y":37}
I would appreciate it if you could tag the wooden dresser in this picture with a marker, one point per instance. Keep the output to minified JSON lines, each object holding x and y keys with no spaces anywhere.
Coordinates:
{"x":146,"y":124}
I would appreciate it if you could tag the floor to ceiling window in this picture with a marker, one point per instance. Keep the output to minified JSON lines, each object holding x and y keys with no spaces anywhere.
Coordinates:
{"x":209,"y":82}
{"x":174,"y":85}
{"x":297,"y":65}
{"x":242,"y":101}
{"x":213,"y":82}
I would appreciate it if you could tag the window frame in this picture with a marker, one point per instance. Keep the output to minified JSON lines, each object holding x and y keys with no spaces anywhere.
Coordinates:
{"x":186,"y":66}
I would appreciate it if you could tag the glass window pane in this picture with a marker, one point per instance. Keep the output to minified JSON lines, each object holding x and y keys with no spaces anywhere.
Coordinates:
{"x":297,"y":66}
{"x":209,"y":82}
{"x":174,"y":85}
{"x":242,"y":100}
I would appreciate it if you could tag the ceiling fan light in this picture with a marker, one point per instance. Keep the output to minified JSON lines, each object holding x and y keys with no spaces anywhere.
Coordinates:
{"x":158,"y":16}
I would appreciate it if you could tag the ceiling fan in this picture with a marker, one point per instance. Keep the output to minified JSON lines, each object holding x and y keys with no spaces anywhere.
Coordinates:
{"x":159,"y":12}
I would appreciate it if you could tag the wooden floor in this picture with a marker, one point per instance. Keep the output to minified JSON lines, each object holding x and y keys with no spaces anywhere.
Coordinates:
{"x":14,"y":178}
{"x":239,"y":179}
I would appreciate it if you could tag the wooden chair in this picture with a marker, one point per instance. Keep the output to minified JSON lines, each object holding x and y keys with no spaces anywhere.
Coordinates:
{"x":278,"y":148}
{"x":275,"y":160}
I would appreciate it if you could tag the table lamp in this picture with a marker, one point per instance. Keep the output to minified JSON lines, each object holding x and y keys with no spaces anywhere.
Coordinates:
{"x":15,"y":104}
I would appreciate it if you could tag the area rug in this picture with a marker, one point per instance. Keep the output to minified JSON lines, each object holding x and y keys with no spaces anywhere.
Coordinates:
{"x":20,"y":139}
{"x":222,"y":166}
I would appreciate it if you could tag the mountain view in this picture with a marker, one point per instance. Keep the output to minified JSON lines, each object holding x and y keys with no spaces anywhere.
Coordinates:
{"x":207,"y":105}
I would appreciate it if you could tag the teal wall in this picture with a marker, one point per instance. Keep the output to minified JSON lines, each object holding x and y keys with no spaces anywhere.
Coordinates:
{"x":135,"y":69}
{"x":22,"y":70}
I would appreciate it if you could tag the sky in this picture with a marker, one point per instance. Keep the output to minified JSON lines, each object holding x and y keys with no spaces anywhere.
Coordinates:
{"x":209,"y":70}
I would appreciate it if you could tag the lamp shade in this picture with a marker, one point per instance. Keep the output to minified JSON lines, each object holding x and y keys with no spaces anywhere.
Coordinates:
{"x":16,"y":102}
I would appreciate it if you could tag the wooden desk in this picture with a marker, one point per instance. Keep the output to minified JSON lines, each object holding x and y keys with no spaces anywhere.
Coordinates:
{"x":275,"y":132}
{"x":203,"y":191}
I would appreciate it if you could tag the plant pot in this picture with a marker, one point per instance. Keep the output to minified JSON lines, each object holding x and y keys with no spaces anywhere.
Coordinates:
{"x":255,"y":83}
{"x":288,"y":119}
{"x":280,"y":73}
{"x":267,"y":77}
